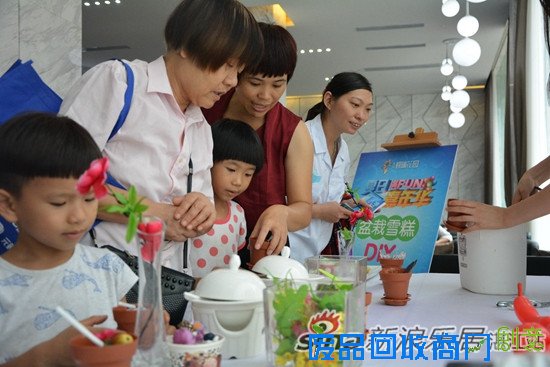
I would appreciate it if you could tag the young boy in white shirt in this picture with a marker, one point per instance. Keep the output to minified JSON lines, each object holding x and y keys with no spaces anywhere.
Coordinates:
{"x":42,"y":158}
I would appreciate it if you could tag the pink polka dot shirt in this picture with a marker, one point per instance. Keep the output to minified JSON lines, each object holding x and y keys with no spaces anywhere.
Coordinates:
{"x":213,"y":249}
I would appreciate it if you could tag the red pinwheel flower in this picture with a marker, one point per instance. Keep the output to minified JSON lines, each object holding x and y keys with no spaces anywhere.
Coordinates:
{"x":94,"y":178}
{"x":128,"y":204}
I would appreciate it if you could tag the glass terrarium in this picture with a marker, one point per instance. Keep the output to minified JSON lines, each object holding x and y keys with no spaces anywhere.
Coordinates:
{"x":352,"y":269}
{"x":315,"y":323}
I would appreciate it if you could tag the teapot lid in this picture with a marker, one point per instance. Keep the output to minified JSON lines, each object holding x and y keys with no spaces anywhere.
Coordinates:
{"x":282,"y":266}
{"x":231,"y":284}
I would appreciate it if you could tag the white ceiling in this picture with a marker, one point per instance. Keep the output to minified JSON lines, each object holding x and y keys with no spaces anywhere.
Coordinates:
{"x":139,"y":24}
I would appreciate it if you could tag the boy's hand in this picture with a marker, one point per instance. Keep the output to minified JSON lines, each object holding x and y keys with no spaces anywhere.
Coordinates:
{"x":56,"y":351}
{"x":170,"y":330}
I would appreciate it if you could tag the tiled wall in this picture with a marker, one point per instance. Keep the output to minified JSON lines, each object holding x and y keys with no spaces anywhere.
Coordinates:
{"x":394,"y":115}
{"x":47,"y":31}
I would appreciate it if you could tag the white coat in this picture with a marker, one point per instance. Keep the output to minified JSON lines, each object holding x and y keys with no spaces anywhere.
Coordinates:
{"x":328,"y":184}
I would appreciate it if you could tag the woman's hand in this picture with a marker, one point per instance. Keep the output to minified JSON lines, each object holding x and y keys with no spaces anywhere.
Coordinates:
{"x":274,"y":220}
{"x":477,"y":215}
{"x":195,"y":212}
{"x":174,"y":230}
{"x":526,"y":187}
{"x":191,"y":205}
{"x":330,"y":212}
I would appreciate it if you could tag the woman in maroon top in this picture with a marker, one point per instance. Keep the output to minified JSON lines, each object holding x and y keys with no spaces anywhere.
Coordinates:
{"x":278,"y":199}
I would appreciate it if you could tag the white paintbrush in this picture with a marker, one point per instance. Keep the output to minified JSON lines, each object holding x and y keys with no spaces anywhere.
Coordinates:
{"x":78,"y":326}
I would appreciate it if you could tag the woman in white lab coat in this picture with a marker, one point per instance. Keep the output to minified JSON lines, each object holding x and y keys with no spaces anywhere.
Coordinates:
{"x":345,"y":108}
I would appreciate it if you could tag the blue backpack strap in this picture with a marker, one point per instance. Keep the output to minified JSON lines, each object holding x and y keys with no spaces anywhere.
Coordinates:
{"x":127,"y":100}
{"x":123,"y":113}
{"x":118,"y":124}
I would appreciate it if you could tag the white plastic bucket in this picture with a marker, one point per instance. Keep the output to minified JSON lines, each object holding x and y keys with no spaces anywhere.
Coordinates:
{"x":493,"y":261}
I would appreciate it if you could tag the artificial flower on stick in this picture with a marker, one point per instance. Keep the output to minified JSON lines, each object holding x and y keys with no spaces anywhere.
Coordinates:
{"x":129,"y":205}
{"x":363,"y":214}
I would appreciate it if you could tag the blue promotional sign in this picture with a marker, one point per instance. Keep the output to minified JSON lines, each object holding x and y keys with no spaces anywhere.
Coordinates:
{"x":414,"y":184}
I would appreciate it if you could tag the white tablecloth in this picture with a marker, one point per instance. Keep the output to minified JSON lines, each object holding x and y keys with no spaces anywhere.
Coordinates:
{"x":436,"y":300}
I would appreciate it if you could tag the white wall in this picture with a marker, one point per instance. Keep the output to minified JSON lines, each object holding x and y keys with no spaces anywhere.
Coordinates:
{"x":47,"y":31}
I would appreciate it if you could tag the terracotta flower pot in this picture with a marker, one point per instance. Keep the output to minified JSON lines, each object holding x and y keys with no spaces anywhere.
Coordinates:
{"x":368,"y":300}
{"x":87,"y":354}
{"x":391,"y":263}
{"x":396,"y":285}
{"x":257,"y":254}
{"x":125,"y":318}
{"x":454,"y":226}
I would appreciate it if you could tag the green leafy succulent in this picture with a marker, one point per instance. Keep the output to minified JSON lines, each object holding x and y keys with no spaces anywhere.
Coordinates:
{"x":130,"y":206}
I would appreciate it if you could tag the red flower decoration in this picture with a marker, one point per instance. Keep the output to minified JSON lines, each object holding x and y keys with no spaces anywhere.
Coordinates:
{"x":95,"y":178}
{"x":151,"y":243}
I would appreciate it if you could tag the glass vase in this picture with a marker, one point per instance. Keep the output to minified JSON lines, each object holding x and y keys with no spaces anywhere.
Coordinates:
{"x":345,"y":242}
{"x":152,"y":349}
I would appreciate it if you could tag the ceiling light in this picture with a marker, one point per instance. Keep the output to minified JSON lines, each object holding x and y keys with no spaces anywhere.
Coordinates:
{"x":302,"y":51}
{"x":460,"y":99}
{"x":328,"y":50}
{"x":327,"y":79}
{"x":86,"y":4}
{"x":319,"y":50}
{"x":117,"y":1}
{"x":468,"y":25}
{"x":456,"y":119}
{"x":476,"y":1}
{"x":446,"y":93}
{"x":446,"y":67}
{"x":466,"y":52}
{"x":447,"y":64}
{"x":97,"y":3}
{"x":450,"y":8}
{"x":459,"y":82}
{"x":310,"y":51}
{"x":455,"y":109}
{"x":107,"y":2}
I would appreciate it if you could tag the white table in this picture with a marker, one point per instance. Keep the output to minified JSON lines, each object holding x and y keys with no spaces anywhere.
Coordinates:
{"x":436,"y":300}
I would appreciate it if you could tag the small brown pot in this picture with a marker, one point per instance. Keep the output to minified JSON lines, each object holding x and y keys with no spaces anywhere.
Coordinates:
{"x":87,"y":354}
{"x":391,"y":263}
{"x":257,"y":254}
{"x":454,"y":226}
{"x":396,"y":284}
{"x":368,"y":300}
{"x":125,"y":318}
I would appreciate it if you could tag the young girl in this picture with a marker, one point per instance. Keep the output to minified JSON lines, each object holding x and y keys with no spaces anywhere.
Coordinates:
{"x":237,"y":155}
